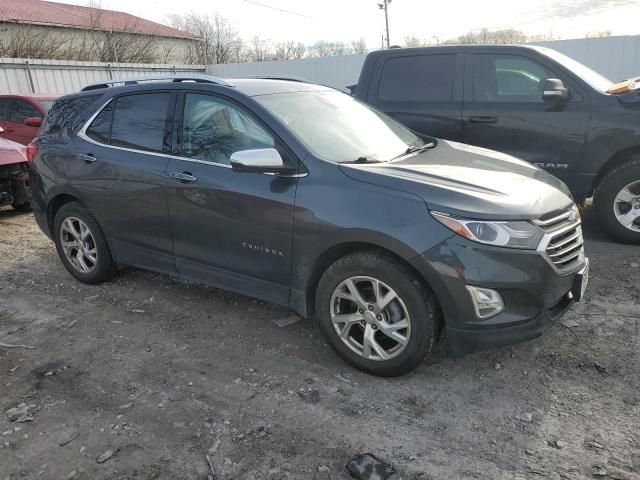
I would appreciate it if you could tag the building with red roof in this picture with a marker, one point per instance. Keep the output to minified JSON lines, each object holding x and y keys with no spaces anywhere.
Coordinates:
{"x":41,"y":29}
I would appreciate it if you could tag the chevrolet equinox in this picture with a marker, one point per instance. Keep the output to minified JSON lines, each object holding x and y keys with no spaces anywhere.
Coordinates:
{"x":303,"y":196}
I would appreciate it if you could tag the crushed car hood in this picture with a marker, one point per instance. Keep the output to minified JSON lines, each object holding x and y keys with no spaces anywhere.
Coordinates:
{"x":11,"y":152}
{"x":470,"y":181}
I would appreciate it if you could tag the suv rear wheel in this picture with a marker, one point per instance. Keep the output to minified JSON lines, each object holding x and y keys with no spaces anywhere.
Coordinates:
{"x":377,"y":314}
{"x":81,"y":245}
{"x":617,"y":201}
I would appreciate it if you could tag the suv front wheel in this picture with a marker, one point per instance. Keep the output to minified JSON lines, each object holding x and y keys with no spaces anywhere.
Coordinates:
{"x":377,"y":314}
{"x":617,"y":201}
{"x":81,"y":245}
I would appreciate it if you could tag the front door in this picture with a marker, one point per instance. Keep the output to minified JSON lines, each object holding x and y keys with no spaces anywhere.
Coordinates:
{"x":504,"y":111}
{"x":230,"y":229}
{"x":17,"y":131}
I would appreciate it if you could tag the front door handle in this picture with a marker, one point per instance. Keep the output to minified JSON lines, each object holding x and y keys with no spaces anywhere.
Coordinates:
{"x":89,"y":158}
{"x":482,"y":119}
{"x":184,"y":177}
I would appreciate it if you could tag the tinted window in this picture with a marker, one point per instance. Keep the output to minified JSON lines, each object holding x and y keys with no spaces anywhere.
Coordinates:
{"x":4,"y":108}
{"x":139,"y":121}
{"x":46,"y":104}
{"x":20,"y":110}
{"x":425,"y":78}
{"x":65,"y":115}
{"x":214,"y":128}
{"x":100,"y":128}
{"x":508,"y":78}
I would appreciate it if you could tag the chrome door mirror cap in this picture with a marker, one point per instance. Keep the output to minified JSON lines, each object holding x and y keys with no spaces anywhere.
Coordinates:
{"x":261,"y":160}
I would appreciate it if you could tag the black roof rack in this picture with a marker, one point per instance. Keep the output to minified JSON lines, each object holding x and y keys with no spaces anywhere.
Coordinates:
{"x":171,"y":78}
{"x":280,"y":77}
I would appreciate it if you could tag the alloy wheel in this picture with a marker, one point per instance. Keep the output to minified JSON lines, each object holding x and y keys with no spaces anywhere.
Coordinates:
{"x":370,"y":318}
{"x":626,"y":206}
{"x":78,"y":245}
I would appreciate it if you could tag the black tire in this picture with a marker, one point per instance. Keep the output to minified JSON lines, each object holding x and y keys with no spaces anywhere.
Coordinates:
{"x":104,"y":268}
{"x":605,"y":195}
{"x":421,"y":304}
{"x":23,"y":207}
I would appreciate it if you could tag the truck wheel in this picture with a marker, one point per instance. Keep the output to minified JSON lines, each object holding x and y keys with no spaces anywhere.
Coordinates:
{"x":617,"y":201}
{"x":377,"y":314}
{"x":81,"y":245}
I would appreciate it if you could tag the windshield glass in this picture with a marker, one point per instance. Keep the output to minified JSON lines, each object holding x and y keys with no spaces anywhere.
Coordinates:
{"x":46,"y":104}
{"x":593,"y":78}
{"x":338,"y":128}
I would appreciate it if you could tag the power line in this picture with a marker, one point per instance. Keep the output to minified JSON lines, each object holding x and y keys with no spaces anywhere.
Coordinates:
{"x":277,"y":9}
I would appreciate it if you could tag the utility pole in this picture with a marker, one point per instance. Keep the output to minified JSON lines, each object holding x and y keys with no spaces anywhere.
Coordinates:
{"x":383,"y":6}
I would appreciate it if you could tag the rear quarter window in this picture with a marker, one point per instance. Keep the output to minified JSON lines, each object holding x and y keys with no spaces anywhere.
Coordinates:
{"x":425,"y":78}
{"x":65,"y":116}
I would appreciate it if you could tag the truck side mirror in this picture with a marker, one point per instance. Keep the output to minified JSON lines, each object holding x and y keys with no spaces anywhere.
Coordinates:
{"x":554,"y":91}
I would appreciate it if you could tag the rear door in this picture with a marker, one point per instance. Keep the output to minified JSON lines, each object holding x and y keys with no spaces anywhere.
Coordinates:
{"x":119,"y":171}
{"x":422,"y":91}
{"x":504,"y":111}
{"x":19,"y":111}
{"x":230,"y":229}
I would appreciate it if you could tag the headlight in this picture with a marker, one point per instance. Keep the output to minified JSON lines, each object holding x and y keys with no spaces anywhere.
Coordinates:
{"x":513,"y":234}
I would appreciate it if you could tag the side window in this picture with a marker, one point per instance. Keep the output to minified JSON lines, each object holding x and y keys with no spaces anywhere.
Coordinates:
{"x":421,"y":78}
{"x":4,"y":108}
{"x":64,"y":115}
{"x":214,"y":128}
{"x":139,"y":121}
{"x":20,"y":110}
{"x":100,"y":128}
{"x":508,"y":78}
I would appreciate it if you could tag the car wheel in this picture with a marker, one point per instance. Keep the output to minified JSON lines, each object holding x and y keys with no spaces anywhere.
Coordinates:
{"x":377,"y":314}
{"x":617,"y":201}
{"x":81,"y":245}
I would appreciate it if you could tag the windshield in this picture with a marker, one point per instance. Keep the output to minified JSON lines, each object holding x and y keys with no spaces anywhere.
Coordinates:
{"x":338,"y":128}
{"x":46,"y":104}
{"x":593,"y":78}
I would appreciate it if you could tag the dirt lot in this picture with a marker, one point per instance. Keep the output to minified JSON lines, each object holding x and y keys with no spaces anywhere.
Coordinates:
{"x":164,"y":372}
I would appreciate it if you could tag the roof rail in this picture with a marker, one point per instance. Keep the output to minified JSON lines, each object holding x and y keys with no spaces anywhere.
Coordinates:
{"x":280,"y":77}
{"x":171,"y":78}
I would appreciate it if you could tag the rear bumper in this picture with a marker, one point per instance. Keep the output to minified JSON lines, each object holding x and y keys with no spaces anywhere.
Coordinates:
{"x":533,"y":293}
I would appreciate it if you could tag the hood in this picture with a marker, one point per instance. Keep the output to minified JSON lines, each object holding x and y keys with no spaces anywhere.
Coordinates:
{"x":11,"y":152}
{"x":470,"y":181}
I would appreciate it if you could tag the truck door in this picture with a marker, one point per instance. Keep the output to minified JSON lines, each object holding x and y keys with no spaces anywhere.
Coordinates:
{"x":422,"y":91}
{"x":504,"y":110}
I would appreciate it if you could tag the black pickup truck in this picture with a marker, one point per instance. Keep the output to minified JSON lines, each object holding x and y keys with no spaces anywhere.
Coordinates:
{"x":527,"y":101}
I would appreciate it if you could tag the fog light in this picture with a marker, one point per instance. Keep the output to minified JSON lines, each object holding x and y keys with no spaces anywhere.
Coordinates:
{"x":486,"y":302}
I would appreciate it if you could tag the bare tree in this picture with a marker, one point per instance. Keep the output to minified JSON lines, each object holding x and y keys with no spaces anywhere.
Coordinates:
{"x":411,"y":41}
{"x":289,"y":51}
{"x":487,"y":37}
{"x":219,"y":41}
{"x":22,"y":41}
{"x":258,"y":50}
{"x":359,"y":46}
{"x":598,"y":34}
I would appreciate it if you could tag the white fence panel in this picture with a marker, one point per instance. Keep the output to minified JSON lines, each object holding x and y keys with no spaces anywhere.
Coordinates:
{"x":337,"y":72}
{"x":58,"y":77}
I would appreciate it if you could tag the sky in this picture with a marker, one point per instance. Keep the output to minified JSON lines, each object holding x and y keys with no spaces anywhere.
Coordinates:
{"x":346,"y":20}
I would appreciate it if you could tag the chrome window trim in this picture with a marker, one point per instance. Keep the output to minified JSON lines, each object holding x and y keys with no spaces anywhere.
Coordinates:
{"x":83,"y":135}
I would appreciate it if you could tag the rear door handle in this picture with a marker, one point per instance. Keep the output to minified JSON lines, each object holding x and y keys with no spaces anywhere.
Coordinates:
{"x":184,"y":177}
{"x":482,"y":119}
{"x":89,"y":158}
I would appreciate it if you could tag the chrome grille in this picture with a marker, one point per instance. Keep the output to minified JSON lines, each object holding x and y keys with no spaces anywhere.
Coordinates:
{"x":562,"y":245}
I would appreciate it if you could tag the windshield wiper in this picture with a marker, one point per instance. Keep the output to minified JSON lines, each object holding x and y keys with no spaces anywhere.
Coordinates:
{"x":416,"y":149}
{"x":363,"y":159}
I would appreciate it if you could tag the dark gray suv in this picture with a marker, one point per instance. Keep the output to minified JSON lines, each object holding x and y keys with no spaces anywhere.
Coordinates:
{"x":303,"y":196}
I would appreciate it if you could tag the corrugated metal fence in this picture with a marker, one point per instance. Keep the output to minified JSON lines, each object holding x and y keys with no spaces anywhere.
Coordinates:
{"x":615,"y":57}
{"x":62,"y":76}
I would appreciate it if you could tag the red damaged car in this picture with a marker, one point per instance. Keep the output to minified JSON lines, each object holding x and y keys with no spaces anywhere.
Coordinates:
{"x":14,"y":175}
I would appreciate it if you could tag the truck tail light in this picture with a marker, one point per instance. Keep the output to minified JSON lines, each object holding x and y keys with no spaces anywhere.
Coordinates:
{"x":32,"y":150}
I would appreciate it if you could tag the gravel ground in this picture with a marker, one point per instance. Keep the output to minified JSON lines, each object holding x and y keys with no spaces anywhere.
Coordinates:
{"x":162,"y":373}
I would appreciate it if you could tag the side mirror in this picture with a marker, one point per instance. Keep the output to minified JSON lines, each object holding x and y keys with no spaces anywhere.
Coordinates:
{"x":261,"y":160}
{"x":554,"y":91}
{"x":33,"y":121}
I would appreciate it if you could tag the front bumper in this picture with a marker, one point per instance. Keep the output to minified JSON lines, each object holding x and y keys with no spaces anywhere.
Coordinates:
{"x":534,"y":294}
